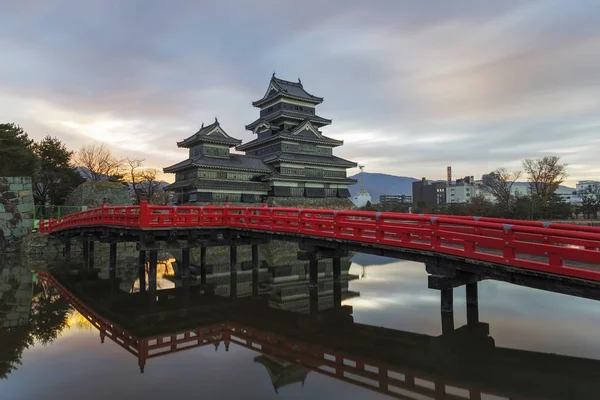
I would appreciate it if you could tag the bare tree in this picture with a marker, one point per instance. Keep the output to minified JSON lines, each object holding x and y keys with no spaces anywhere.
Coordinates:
{"x":499,"y":184}
{"x":150,"y":183}
{"x":161,"y":197}
{"x":544,"y":176}
{"x":99,"y":163}
{"x":134,"y":176}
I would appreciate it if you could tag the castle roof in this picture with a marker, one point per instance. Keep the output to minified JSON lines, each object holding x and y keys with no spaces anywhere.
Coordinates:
{"x":239,"y":162}
{"x":212,"y":133}
{"x":298,"y":116}
{"x":303,"y":132}
{"x":293,"y":90}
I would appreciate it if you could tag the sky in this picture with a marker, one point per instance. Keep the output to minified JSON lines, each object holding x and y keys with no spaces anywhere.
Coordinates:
{"x":411,"y":86}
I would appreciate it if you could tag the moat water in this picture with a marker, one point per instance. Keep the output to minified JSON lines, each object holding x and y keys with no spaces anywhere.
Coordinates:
{"x":528,"y":343}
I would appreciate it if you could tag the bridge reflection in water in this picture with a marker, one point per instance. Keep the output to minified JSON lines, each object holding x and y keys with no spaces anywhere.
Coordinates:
{"x":295,"y":319}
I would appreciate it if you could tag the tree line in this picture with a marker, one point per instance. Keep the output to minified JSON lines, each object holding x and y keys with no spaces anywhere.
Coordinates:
{"x":56,"y":170}
{"x":544,"y":177}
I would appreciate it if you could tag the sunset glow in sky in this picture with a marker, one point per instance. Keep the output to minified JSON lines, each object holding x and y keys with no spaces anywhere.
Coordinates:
{"x":411,"y":86}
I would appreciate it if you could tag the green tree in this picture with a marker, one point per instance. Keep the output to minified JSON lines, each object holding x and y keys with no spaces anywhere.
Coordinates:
{"x":16,"y":152}
{"x":55,"y":177}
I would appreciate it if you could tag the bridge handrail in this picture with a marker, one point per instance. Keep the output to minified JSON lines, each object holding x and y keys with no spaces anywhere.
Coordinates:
{"x":509,"y":242}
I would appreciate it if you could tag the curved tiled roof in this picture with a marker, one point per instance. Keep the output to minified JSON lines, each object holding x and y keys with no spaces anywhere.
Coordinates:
{"x":220,"y":184}
{"x":212,"y":133}
{"x":309,"y":159}
{"x":294,"y":90}
{"x":319,"y":121}
{"x":240,"y":162}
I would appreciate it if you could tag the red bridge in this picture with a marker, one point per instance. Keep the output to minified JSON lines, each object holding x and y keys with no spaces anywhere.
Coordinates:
{"x":558,"y":249}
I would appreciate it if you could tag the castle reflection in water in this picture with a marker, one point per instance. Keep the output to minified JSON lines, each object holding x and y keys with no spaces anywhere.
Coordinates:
{"x":295,"y":325}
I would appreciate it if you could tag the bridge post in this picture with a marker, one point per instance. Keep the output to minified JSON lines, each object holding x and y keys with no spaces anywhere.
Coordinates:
{"x":337,"y":282}
{"x":472,"y":304}
{"x":313,"y":292}
{"x":313,"y":272}
{"x":337,"y":294}
{"x":233,"y":284}
{"x":255,"y":257}
{"x":142,"y":270}
{"x":152,"y":271}
{"x":203,"y":265}
{"x":447,"y":308}
{"x":255,"y":282}
{"x":337,"y":269}
{"x":91,"y":245}
{"x":313,"y":288}
{"x":184,"y":269}
{"x":233,"y":259}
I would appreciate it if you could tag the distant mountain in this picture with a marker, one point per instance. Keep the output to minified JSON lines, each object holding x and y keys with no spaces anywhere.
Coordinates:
{"x":523,"y":188}
{"x":378,"y":184}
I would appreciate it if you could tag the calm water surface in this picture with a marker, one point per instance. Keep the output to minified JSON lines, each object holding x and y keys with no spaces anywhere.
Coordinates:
{"x":386,"y":293}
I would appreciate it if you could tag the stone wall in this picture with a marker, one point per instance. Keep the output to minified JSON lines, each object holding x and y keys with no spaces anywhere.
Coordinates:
{"x":331,"y":203}
{"x":334,"y":203}
{"x":16,"y":284}
{"x":16,"y":210}
{"x":93,"y":194}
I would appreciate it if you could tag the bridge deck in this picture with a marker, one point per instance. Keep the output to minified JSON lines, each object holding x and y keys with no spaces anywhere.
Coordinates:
{"x":561,"y":249}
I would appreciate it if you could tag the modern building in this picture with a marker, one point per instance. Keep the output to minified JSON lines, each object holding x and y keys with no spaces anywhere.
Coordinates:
{"x":588,"y":185}
{"x":290,"y":156}
{"x":428,"y":192}
{"x":461,"y":191}
{"x":395,"y":199}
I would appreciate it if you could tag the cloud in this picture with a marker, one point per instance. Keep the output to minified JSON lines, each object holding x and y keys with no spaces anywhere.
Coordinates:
{"x":410,"y":87}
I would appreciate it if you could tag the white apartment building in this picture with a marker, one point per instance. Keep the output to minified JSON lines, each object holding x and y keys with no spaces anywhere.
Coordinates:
{"x":462,"y":191}
{"x":582,"y":186}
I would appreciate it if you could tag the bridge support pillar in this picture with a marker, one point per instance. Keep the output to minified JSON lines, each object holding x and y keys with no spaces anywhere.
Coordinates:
{"x":184,"y":268}
{"x":337,"y":282}
{"x":152,"y":271}
{"x":202,"y":265}
{"x":337,"y":269}
{"x":447,"y":308}
{"x":142,"y":270}
{"x":472,"y":304}
{"x":255,"y":257}
{"x":233,"y":284}
{"x":91,"y":246}
{"x":313,"y":272}
{"x":255,"y":282}
{"x":233,"y":257}
{"x":313,"y":292}
{"x":337,"y":294}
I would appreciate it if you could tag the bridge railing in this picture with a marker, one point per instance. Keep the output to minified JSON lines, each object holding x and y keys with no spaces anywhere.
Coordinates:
{"x":561,"y":249}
